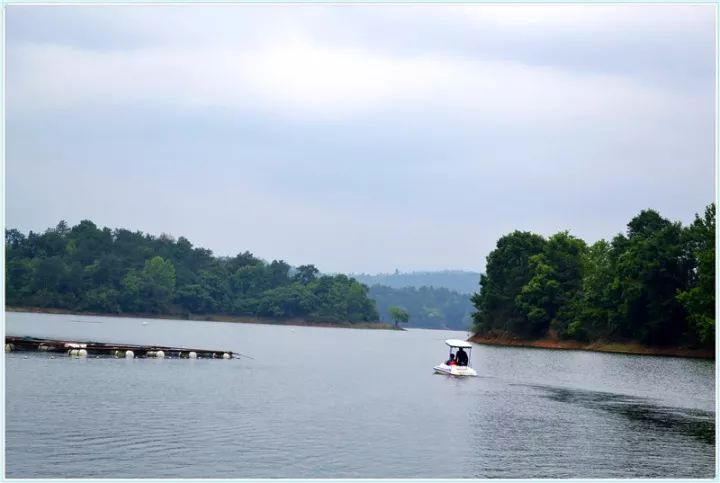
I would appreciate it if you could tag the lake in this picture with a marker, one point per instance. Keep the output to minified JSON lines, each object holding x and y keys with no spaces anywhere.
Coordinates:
{"x":350,"y":403}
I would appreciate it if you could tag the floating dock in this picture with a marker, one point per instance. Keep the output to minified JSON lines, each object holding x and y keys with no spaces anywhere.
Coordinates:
{"x":128,"y":351}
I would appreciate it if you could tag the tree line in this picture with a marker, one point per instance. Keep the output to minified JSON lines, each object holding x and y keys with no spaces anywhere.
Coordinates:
{"x":427,"y":307}
{"x":85,"y":268}
{"x":654,"y":284}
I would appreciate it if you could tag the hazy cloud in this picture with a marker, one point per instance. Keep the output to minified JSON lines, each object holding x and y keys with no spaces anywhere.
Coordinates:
{"x":363,"y":137}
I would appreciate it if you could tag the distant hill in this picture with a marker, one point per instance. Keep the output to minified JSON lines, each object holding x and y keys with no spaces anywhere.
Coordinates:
{"x":457,"y":280}
{"x":428,"y":307}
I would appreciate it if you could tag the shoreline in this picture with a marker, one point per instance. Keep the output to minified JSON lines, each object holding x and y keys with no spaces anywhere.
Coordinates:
{"x":235,"y":319}
{"x":609,"y":347}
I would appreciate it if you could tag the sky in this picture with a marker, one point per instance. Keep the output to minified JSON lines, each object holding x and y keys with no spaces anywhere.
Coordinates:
{"x":359,"y":138}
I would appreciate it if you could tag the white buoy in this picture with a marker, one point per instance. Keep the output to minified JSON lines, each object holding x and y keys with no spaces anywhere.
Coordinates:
{"x":226,"y":356}
{"x":8,"y":347}
{"x":192,"y":355}
{"x":129,"y":354}
{"x":116,"y":353}
{"x":151,"y":353}
{"x":82,"y":353}
{"x":73,"y":352}
{"x":160,"y":354}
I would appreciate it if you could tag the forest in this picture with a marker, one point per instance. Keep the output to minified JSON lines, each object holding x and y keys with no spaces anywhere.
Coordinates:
{"x":653,"y":284}
{"x":428,"y":307}
{"x":87,"y":269}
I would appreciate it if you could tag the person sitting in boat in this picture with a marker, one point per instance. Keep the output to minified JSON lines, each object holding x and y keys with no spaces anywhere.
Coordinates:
{"x":462,"y":358}
{"x":451,"y":361}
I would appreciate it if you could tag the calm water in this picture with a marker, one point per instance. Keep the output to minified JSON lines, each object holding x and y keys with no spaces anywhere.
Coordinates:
{"x":346,"y":403}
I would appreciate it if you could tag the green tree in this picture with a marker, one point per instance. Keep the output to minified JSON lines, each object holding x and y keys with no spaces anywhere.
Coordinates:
{"x":131,"y":292}
{"x":651,"y":270}
{"x":699,"y":298}
{"x":550,"y":297}
{"x":195,"y":298}
{"x":158,"y":284}
{"x":399,"y":316}
{"x":596,"y":313}
{"x":507,"y":271}
{"x":306,"y":274}
{"x":102,"y":299}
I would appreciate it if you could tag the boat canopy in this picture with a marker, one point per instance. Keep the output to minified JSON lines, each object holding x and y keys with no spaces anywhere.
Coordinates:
{"x":458,"y":343}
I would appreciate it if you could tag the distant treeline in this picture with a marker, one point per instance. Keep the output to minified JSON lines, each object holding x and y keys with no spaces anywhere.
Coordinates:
{"x":428,"y":307}
{"x":456,"y":280}
{"x":85,"y":268}
{"x":655,"y":285}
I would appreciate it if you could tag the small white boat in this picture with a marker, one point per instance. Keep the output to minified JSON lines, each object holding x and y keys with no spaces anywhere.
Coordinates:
{"x":459,"y":362}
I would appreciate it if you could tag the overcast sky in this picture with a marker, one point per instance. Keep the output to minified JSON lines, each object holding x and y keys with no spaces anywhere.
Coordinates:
{"x":359,"y":138}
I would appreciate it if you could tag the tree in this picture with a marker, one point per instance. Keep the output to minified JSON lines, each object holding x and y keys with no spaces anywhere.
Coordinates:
{"x":699,"y":299}
{"x":549,"y":297}
{"x":398,"y":316}
{"x":158,"y":284}
{"x":306,"y":273}
{"x":131,"y":292}
{"x":651,"y":270}
{"x":195,"y":299}
{"x":596,"y":313}
{"x":507,"y":272}
{"x":14,"y":239}
{"x":62,"y":228}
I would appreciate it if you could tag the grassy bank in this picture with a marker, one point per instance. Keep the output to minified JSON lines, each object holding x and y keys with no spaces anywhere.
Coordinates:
{"x":615,"y":347}
{"x":212,"y":318}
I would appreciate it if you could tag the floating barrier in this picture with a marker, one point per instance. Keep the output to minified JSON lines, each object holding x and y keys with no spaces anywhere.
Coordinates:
{"x":127,"y":351}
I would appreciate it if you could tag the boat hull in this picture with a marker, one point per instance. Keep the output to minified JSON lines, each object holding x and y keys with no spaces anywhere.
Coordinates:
{"x":456,"y":371}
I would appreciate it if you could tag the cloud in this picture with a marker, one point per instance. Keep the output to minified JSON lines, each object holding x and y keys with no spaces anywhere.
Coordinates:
{"x":302,"y":79}
{"x":420,"y":133}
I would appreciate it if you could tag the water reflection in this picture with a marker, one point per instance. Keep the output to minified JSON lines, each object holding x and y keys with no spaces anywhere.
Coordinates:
{"x":681,"y":421}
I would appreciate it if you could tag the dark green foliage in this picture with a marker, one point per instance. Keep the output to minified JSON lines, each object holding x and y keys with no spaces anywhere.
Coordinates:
{"x":554,"y":288}
{"x":650,"y":272}
{"x":508,"y":270}
{"x":434,"y":308}
{"x":85,"y":268}
{"x":699,"y":298}
{"x":655,"y":285}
